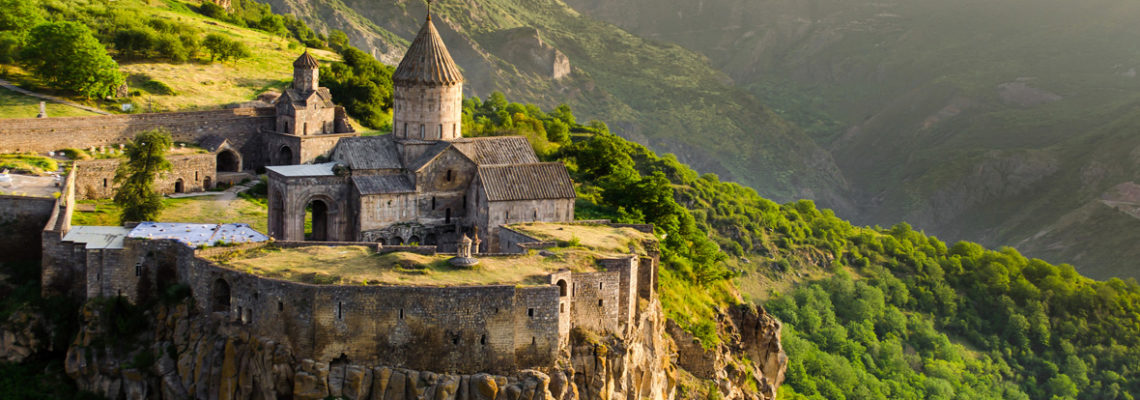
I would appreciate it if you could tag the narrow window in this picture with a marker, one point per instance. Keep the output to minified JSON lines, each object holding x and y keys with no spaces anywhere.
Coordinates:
{"x":536,"y":214}
{"x":507,"y":216}
{"x":447,"y":218}
{"x":433,"y":202}
{"x":422,"y":129}
{"x":455,"y":339}
{"x":599,"y":285}
{"x":449,"y":175}
{"x":138,"y":269}
{"x":340,"y":311}
{"x":599,"y":302}
{"x":195,"y":176}
{"x":562,"y":308}
{"x":483,"y":340}
{"x":464,"y":202}
{"x":530,"y":312}
{"x":401,"y":313}
{"x":532,"y":340}
{"x":104,"y":182}
{"x":306,"y":131}
{"x":452,"y":129}
{"x":441,"y":131}
{"x":405,"y":129}
{"x":280,"y":306}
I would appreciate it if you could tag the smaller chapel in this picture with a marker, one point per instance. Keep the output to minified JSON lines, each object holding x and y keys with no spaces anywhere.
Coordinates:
{"x":422,"y":184}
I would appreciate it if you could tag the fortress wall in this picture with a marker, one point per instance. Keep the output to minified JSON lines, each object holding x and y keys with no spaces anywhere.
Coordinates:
{"x":595,"y":304}
{"x":511,"y":241}
{"x":647,"y":277}
{"x":501,"y":213}
{"x":62,"y":268}
{"x":627,"y":286}
{"x":40,"y":135}
{"x":462,"y":329}
{"x":22,"y":219}
{"x":96,"y":178}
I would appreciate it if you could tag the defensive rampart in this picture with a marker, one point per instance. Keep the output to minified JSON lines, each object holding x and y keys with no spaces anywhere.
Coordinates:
{"x":40,"y":135}
{"x":189,"y":173}
{"x":21,"y":219}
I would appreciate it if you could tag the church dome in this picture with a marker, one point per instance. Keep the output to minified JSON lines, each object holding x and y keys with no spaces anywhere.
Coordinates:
{"x":427,"y":61}
{"x":305,"y":61}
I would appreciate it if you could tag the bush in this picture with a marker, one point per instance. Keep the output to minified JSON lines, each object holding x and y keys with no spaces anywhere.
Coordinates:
{"x":223,"y":48}
{"x":74,"y":154}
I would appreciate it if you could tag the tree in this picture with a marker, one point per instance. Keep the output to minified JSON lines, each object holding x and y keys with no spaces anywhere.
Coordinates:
{"x":338,"y":40}
{"x":146,"y":158}
{"x":223,"y":48}
{"x":19,"y":15}
{"x":68,"y":55}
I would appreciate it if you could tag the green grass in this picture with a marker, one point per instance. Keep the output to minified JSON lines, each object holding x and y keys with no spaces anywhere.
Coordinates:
{"x":205,"y":209}
{"x":16,"y":105}
{"x":27,"y":163}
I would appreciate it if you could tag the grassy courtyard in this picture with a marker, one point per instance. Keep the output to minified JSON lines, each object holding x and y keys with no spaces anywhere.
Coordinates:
{"x":215,"y":209}
{"x":359,"y":265}
{"x":15,"y":105}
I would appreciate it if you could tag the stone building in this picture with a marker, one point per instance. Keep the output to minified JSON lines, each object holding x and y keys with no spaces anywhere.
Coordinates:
{"x":425,"y":183}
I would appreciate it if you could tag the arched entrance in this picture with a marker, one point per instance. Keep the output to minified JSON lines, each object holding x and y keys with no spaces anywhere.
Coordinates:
{"x":414,"y":240}
{"x":285,"y":156}
{"x":220,"y":296}
{"x":179,"y":187}
{"x":562,"y":288}
{"x":317,"y":220}
{"x":207,"y":183}
{"x":228,"y":161}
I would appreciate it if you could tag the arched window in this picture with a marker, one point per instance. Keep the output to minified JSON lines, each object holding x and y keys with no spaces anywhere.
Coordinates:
{"x":449,"y":175}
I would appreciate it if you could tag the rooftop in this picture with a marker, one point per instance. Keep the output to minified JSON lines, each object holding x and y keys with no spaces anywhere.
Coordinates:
{"x":361,"y":265}
{"x":325,"y":169}
{"x":97,"y":237}
{"x":196,"y":235}
{"x":578,"y":248}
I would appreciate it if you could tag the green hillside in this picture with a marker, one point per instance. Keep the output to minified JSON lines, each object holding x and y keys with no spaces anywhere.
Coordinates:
{"x":980,"y":120}
{"x":653,"y":92}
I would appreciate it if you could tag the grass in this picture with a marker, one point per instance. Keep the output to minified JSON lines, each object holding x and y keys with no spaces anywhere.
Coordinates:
{"x":359,"y":265}
{"x":27,"y":163}
{"x":16,"y":105}
{"x":204,"y":209}
{"x":602,"y":238}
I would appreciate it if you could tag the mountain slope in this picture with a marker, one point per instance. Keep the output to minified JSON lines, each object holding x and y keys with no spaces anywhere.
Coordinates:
{"x":656,"y":93}
{"x":982,"y":120}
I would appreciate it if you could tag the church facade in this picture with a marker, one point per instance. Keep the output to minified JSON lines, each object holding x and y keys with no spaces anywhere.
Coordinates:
{"x":422,"y":184}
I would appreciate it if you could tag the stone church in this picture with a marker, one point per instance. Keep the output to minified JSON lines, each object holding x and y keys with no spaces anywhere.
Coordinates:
{"x":424,"y":183}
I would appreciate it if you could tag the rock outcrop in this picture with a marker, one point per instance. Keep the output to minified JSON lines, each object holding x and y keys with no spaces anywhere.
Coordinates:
{"x":184,"y":354}
{"x":745,"y":332}
{"x":21,"y":336}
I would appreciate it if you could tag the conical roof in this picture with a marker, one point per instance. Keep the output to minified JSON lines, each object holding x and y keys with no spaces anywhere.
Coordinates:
{"x":305,"y":61}
{"x":427,"y":60}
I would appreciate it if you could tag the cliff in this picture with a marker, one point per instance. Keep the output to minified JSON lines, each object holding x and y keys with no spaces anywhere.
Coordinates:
{"x":174,"y":352}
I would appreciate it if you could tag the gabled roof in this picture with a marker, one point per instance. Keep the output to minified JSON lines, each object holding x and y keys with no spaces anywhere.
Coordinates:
{"x":429,"y":155}
{"x":378,"y":184}
{"x":306,"y":61}
{"x":320,"y":97}
{"x":526,"y":182}
{"x":212,"y":142}
{"x":325,"y":169}
{"x":371,"y":152}
{"x":427,"y":60}
{"x":497,"y":150}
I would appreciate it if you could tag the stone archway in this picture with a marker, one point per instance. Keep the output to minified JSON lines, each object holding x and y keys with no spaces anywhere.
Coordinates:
{"x":284,"y":156}
{"x":220,"y":296}
{"x":179,"y":186}
{"x":317,"y":218}
{"x":228,"y":161}
{"x":562,"y":292}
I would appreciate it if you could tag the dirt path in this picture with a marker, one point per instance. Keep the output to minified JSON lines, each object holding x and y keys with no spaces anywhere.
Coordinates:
{"x":8,"y":85}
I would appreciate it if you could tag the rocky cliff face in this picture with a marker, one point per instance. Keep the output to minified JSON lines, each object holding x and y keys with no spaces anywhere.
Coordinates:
{"x":746,"y":333}
{"x":184,"y":354}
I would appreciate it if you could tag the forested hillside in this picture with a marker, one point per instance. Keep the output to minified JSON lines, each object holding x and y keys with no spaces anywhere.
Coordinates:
{"x":870,"y":313}
{"x":1004,"y":122}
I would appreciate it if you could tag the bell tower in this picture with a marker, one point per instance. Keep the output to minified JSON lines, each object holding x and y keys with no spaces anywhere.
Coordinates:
{"x":305,"y":73}
{"x":428,"y":98}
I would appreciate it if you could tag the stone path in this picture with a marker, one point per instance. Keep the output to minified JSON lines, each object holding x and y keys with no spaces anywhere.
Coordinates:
{"x":226,"y":195}
{"x":8,"y":85}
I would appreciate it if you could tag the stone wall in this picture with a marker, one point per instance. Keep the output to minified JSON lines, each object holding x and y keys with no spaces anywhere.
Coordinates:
{"x":429,"y":113}
{"x":96,"y":178}
{"x":40,"y":135}
{"x":62,"y":270}
{"x":501,"y":213}
{"x":22,"y":219}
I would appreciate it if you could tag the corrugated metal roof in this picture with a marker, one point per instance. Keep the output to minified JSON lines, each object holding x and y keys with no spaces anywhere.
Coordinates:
{"x":371,"y":152}
{"x":325,"y":169}
{"x":378,"y":184}
{"x":97,"y":237}
{"x":427,"y":61}
{"x":526,"y":182}
{"x":196,"y":235}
